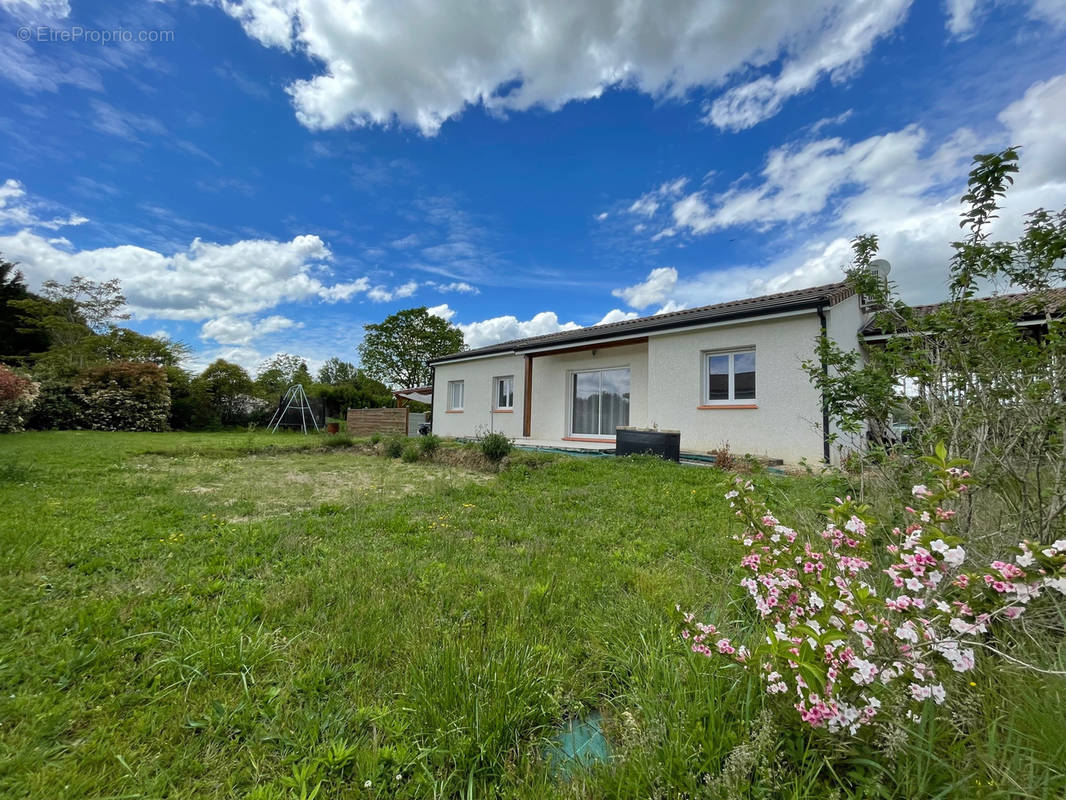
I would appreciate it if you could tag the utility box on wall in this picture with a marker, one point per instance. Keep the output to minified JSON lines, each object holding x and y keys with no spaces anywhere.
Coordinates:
{"x":635,"y":441}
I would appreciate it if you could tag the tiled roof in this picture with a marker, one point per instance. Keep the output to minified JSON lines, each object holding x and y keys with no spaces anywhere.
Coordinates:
{"x":752,"y":308}
{"x":1034,"y":305}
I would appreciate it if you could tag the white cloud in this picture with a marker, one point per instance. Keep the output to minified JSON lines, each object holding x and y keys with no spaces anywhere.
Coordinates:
{"x":657,"y":288}
{"x":836,"y":47}
{"x":462,"y":287}
{"x":617,"y":315}
{"x":443,"y":311}
{"x":964,"y":16}
{"x":601,"y":216}
{"x":380,"y":294}
{"x":36,"y":10}
{"x":961,"y":22}
{"x":505,"y":328}
{"x":817,"y":195}
{"x":242,"y":330}
{"x":422,"y":62}
{"x":16,"y":209}
{"x":647,"y":204}
{"x":224,"y":285}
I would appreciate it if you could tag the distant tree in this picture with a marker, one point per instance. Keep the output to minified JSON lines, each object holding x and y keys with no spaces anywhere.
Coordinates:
{"x":302,"y":375}
{"x":335,"y":371}
{"x":361,"y":391}
{"x":97,"y":304}
{"x":395,"y":350}
{"x":16,"y":343}
{"x":279,"y":373}
{"x":71,"y":315}
{"x":123,"y":344}
{"x":226,"y":387}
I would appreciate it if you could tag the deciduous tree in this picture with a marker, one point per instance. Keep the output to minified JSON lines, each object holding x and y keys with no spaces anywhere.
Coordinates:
{"x":395,"y":350}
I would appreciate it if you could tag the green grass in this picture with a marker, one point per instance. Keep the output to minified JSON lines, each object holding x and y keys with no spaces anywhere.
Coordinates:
{"x":245,"y":615}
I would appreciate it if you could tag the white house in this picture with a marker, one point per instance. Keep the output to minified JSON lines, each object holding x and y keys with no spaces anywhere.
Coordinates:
{"x":723,"y":374}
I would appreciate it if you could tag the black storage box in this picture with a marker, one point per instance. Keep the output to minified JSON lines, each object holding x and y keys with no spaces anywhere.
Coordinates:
{"x":634,"y":441}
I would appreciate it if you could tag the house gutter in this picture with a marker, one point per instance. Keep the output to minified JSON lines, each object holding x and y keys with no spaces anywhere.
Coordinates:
{"x":825,"y":401}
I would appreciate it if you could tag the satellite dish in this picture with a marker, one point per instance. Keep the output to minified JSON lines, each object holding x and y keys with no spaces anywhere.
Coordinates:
{"x":880,"y":267}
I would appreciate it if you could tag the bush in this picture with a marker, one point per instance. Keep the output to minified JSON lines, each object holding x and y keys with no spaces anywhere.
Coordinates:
{"x":411,"y":453}
{"x":17,"y":395}
{"x":842,"y":649}
{"x":124,"y":396}
{"x":375,"y":438}
{"x":494,"y":446}
{"x":57,"y":408}
{"x":340,"y":440}
{"x":394,"y":446}
{"x":429,"y":445}
{"x":724,"y":458}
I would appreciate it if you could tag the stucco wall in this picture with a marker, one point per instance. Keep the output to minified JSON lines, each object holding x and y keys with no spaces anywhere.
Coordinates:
{"x":843,"y":322}
{"x":666,"y":383}
{"x":551,"y":386}
{"x":477,"y":412}
{"x":782,"y":426}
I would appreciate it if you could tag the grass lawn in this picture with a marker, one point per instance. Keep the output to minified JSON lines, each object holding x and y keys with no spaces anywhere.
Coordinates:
{"x":234,"y":615}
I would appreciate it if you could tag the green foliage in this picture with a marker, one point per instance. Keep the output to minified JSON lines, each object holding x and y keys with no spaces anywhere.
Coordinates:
{"x":494,"y":446}
{"x":429,"y":444}
{"x":394,"y":446}
{"x":57,"y":408}
{"x":123,"y":396}
{"x":227,"y":391}
{"x":983,"y":375}
{"x":339,"y":440}
{"x":335,"y":372}
{"x":411,"y":453}
{"x":17,"y":342}
{"x":343,"y":634}
{"x":279,"y":373}
{"x":395,"y":350}
{"x":360,"y":391}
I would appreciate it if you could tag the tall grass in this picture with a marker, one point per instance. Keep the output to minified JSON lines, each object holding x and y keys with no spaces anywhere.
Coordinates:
{"x":197,"y":616}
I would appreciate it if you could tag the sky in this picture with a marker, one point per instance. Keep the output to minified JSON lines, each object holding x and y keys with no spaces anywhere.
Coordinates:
{"x":268,"y":176}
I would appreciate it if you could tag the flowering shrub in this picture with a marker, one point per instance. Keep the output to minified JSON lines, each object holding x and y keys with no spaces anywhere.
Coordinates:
{"x":124,"y":396}
{"x":841,"y":652}
{"x":17,"y":395}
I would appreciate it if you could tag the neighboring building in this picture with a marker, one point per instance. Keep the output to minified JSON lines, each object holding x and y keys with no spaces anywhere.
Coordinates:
{"x":726,"y":374}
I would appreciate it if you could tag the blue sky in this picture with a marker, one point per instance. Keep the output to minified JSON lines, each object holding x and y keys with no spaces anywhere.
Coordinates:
{"x":268,"y":175}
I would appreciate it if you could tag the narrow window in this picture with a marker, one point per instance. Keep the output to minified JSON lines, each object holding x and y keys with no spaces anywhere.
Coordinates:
{"x":503,"y":393}
{"x":455,"y":395}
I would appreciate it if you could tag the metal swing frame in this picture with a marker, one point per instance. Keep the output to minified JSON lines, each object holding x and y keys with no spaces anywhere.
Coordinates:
{"x":294,"y":394}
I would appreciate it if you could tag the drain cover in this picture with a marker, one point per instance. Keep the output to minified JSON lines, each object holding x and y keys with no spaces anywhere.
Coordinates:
{"x":578,"y":743}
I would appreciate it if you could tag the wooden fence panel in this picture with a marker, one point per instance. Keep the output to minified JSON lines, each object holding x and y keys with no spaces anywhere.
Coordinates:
{"x":366,"y":421}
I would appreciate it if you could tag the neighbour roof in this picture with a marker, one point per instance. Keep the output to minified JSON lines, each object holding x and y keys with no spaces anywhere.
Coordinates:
{"x":1033,"y":304}
{"x":749,"y":308}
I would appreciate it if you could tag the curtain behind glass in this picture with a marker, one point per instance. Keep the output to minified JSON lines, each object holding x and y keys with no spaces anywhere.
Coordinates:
{"x":614,"y":405}
{"x":600,"y":402}
{"x":586,"y":402}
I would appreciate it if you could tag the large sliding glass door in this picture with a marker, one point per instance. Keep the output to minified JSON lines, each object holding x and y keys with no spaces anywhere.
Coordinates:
{"x":599,"y":401}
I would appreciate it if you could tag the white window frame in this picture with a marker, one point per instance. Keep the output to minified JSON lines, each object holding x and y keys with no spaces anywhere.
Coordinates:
{"x":452,"y":385}
{"x":705,"y":377}
{"x":496,"y":392}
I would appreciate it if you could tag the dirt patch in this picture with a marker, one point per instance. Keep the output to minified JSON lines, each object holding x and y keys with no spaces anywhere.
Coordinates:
{"x":263,"y":486}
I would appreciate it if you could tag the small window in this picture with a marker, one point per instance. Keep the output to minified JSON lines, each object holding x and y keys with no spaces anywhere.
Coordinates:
{"x":729,"y":376}
{"x":503,"y":393}
{"x":455,"y":395}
